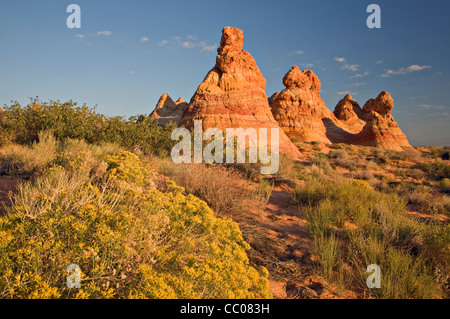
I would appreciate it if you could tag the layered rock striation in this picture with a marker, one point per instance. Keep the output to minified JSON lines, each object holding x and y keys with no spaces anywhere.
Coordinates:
{"x":232,"y":95}
{"x":302,"y":114}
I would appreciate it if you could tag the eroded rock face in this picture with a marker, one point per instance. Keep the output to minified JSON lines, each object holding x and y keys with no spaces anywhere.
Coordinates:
{"x":302,"y":114}
{"x":232,"y":95}
{"x":167,"y":110}
{"x":272,"y":98}
{"x":378,"y":111}
{"x":299,"y":109}
{"x":347,"y":109}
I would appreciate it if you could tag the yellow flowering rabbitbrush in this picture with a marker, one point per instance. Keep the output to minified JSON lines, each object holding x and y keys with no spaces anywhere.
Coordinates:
{"x":129,"y":239}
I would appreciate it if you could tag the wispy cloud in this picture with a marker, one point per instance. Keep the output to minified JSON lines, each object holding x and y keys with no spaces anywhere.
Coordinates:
{"x":379,"y":62}
{"x":431,"y":106}
{"x":418,"y":97}
{"x":360,"y":75}
{"x":131,"y":72}
{"x":297,"y":52}
{"x":189,"y":42}
{"x":307,"y":65}
{"x":163,"y":42}
{"x":79,"y":36}
{"x":346,"y":92}
{"x":405,"y":70}
{"x":351,"y":67}
{"x":440,"y":114}
{"x":104,"y":33}
{"x":144,"y":39}
{"x":208,"y":48}
{"x":358,"y":84}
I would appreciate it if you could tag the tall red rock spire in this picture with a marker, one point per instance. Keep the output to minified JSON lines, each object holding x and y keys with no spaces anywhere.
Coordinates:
{"x":232,"y":95}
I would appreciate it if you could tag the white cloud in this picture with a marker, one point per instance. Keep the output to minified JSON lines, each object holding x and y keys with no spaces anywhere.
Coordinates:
{"x":358,"y":84}
{"x":104,"y":33}
{"x":131,"y":72}
{"x":346,"y":92}
{"x":430,"y":106}
{"x":351,"y":67}
{"x":187,"y":44}
{"x":405,"y":70}
{"x":307,"y":65}
{"x":440,"y":114}
{"x":163,"y":42}
{"x":190,"y":42}
{"x":208,"y":48}
{"x":379,"y":62}
{"x":360,"y":75}
{"x":144,"y":39}
{"x":297,"y":52}
{"x":79,"y":36}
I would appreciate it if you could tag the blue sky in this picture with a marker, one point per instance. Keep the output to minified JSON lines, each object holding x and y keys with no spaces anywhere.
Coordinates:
{"x":128,"y":53}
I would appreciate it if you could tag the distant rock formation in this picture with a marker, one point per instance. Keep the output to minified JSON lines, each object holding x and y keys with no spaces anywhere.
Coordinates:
{"x":167,"y":110}
{"x":384,"y":130}
{"x":348,"y":110}
{"x":232,"y":95}
{"x":302,"y":114}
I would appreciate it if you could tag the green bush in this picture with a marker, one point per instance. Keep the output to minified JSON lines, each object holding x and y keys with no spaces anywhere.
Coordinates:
{"x":22,"y":125}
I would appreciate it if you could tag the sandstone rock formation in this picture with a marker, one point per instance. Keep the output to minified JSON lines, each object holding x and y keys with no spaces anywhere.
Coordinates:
{"x":299,"y":109}
{"x":167,"y":110}
{"x":348,"y":110}
{"x":302,"y":114}
{"x":377,"y":113}
{"x":232,"y":95}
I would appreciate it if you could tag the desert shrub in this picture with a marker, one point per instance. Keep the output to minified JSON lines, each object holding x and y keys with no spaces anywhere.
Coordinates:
{"x":310,"y":194}
{"x":340,"y":153}
{"x":366,"y":175}
{"x":417,"y":173}
{"x":409,"y":154}
{"x":371,"y":165}
{"x":347,"y":163}
{"x":224,"y":189}
{"x":21,"y":125}
{"x":322,"y":161}
{"x":437,"y":169}
{"x":400,"y":172}
{"x":128,"y":238}
{"x":263,"y":191}
{"x":380,"y":156}
{"x":20,"y":159}
{"x":288,"y":169}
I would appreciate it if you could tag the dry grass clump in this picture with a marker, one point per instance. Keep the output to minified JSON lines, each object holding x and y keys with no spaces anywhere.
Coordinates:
{"x":19,"y":159}
{"x":224,"y":189}
{"x":384,"y":234}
